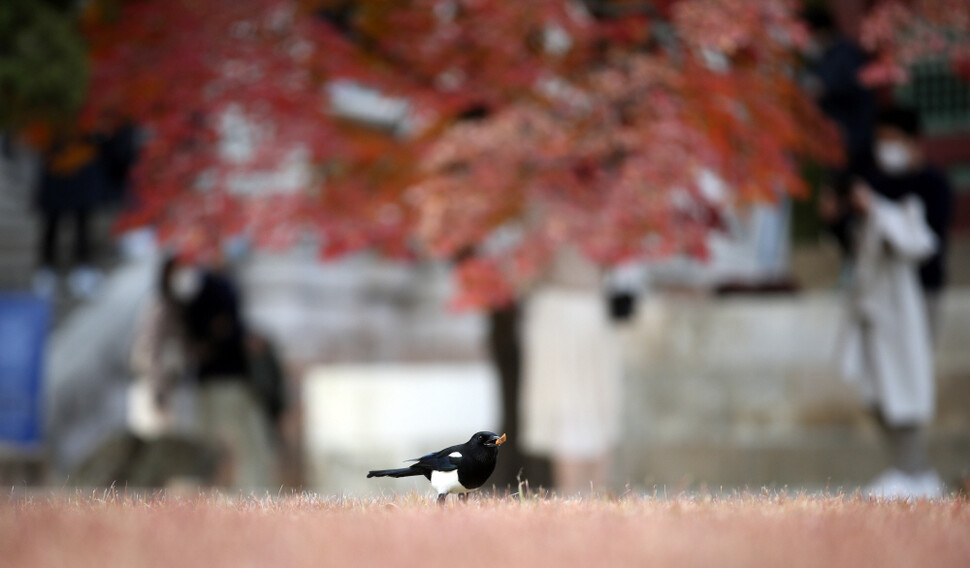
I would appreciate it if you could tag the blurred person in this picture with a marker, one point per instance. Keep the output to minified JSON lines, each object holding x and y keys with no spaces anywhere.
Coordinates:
{"x":197,"y":312}
{"x":571,"y":400}
{"x":159,"y":360}
{"x":71,"y":185}
{"x":904,"y":211}
{"x":903,"y":170}
{"x":230,"y":415}
{"x":833,"y":64}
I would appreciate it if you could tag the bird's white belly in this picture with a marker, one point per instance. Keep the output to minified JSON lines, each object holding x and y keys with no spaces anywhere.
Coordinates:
{"x":447,"y":482}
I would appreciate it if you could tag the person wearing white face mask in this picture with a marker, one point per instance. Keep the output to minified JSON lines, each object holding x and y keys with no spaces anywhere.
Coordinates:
{"x":160,"y":362}
{"x":903,"y":213}
{"x":193,"y":327}
{"x":895,"y":157}
{"x":902,"y":170}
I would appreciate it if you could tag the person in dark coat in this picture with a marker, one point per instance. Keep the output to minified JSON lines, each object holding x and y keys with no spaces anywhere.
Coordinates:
{"x":834,"y":62}
{"x":215,"y":330}
{"x":71,"y":186}
{"x":230,"y":412}
{"x":119,"y":151}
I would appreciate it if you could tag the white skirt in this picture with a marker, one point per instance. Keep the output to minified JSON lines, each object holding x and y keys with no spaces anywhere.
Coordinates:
{"x":571,"y":399}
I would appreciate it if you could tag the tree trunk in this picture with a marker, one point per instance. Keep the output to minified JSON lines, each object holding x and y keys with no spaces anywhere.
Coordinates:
{"x":506,"y":352}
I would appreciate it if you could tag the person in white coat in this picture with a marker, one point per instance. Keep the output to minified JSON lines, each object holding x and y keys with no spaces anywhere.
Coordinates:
{"x":572,"y":375}
{"x":886,"y":347}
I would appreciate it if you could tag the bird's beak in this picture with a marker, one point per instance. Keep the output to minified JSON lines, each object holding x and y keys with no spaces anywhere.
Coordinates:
{"x":500,"y":440}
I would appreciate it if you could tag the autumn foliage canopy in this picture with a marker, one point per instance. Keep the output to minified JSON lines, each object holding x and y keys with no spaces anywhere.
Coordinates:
{"x":522,"y":126}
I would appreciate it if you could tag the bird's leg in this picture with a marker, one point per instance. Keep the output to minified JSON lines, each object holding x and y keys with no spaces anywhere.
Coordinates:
{"x":441,"y":498}
{"x":463,"y":497}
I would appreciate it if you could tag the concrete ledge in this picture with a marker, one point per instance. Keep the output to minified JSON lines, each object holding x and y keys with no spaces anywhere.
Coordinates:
{"x":363,"y":417}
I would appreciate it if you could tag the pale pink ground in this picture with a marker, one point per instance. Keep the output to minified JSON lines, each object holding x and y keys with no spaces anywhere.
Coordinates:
{"x":298,"y":531}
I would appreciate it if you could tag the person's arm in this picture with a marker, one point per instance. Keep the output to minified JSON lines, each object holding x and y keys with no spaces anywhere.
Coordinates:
{"x":901,"y":226}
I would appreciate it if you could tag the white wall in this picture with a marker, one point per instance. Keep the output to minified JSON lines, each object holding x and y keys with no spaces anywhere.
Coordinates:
{"x":375,"y":416}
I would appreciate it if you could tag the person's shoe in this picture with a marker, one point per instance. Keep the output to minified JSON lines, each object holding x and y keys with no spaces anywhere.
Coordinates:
{"x":45,"y":283}
{"x":927,"y":485}
{"x":84,"y":282}
{"x":891,"y":484}
{"x":894,"y":484}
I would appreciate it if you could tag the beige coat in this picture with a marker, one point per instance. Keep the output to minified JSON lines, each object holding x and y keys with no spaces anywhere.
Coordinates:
{"x":885,"y":348}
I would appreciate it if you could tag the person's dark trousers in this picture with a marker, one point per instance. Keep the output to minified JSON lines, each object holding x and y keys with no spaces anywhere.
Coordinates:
{"x":82,"y":238}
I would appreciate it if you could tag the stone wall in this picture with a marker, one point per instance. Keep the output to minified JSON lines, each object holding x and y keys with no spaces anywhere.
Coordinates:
{"x":741,"y":391}
{"x":358,"y":309}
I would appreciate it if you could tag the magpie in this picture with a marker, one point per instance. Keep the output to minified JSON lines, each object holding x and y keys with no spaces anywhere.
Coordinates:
{"x":457,"y":469}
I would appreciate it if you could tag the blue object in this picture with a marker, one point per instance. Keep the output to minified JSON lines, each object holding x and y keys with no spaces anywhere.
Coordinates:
{"x":24,"y":325}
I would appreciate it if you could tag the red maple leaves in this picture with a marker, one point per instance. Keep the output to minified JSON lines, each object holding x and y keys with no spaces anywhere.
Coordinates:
{"x":596,"y":133}
{"x":902,"y":33}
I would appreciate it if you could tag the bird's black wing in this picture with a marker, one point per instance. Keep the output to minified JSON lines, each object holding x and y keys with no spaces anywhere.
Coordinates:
{"x":443,"y":460}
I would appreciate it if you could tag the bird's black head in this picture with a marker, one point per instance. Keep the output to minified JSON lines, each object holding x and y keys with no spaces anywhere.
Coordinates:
{"x":487,"y":439}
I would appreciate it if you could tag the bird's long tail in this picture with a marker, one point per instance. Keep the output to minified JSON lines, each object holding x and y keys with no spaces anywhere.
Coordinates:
{"x":401,"y":472}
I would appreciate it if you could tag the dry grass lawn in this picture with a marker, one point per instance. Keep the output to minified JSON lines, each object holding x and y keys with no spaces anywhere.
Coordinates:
{"x":108,"y":530}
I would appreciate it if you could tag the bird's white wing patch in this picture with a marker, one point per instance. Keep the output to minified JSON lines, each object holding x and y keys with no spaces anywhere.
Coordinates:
{"x":454,"y":455}
{"x":447,"y":482}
